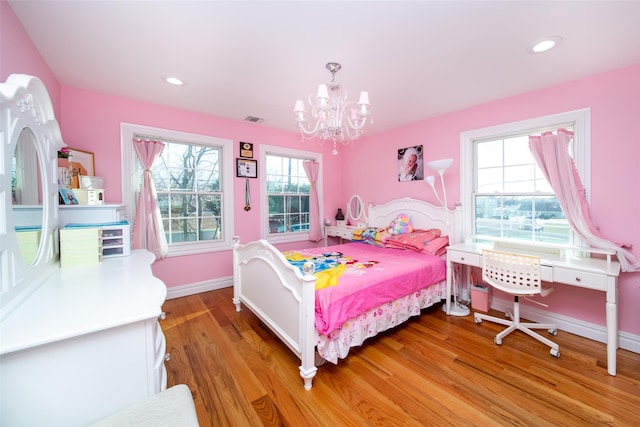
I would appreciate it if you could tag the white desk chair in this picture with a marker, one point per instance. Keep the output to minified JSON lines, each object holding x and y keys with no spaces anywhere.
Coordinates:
{"x":517,"y":275}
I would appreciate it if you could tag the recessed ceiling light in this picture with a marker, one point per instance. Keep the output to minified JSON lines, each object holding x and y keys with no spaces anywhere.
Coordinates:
{"x":173,"y":80}
{"x":545,"y":44}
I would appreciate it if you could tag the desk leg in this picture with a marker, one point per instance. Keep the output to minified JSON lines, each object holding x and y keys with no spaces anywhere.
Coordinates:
{"x":612,"y":325}
{"x":449,"y":284}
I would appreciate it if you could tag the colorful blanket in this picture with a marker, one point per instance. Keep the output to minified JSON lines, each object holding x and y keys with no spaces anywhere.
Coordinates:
{"x":328,"y":266}
{"x":369,"y":276}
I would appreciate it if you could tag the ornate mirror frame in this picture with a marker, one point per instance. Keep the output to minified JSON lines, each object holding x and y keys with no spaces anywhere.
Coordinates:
{"x":356,"y":211}
{"x":25,"y":103}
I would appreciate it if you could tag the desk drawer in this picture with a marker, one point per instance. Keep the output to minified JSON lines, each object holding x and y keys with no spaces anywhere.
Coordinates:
{"x":343,"y":233}
{"x":580,"y":278}
{"x":465,"y":258}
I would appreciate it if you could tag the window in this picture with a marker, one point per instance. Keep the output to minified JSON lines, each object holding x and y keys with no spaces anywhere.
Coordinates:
{"x":286,"y":186}
{"x":507,"y":196}
{"x":194,"y":184}
{"x":187,"y":181}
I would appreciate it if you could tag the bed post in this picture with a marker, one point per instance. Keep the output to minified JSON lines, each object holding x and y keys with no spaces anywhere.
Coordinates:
{"x":308,"y":367}
{"x":236,"y":272}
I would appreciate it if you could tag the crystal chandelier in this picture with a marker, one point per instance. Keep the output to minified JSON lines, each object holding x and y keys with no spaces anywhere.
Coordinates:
{"x":335,"y":118}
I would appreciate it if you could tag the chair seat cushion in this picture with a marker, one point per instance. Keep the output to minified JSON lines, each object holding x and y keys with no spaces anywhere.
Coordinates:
{"x":171,"y":407}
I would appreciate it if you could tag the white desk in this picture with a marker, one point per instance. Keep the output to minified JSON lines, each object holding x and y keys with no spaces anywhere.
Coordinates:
{"x":590,"y":273}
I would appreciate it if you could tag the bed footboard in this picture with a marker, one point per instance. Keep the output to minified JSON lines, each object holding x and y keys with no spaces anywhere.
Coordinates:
{"x":279,"y":295}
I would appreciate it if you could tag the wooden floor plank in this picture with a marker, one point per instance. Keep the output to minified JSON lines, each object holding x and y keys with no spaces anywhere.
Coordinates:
{"x":433,"y":370}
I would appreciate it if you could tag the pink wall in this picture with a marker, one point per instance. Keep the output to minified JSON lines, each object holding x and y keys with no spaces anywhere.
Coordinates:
{"x":18,"y":55}
{"x":614,"y":99}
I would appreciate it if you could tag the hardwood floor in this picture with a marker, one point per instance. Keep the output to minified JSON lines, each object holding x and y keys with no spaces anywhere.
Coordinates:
{"x":433,"y":370}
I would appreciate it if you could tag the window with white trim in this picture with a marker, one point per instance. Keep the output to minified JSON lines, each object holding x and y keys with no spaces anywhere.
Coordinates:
{"x":504,"y":194}
{"x":194,"y":183}
{"x":286,"y":186}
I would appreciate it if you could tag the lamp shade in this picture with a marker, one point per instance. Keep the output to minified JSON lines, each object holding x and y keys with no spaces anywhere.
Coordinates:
{"x":364,"y":98}
{"x":440,"y":165}
{"x":299,"y":108}
{"x":323,"y":92}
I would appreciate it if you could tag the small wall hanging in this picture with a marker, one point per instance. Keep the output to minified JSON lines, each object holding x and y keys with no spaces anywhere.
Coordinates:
{"x":246,"y":150}
{"x":246,"y":168}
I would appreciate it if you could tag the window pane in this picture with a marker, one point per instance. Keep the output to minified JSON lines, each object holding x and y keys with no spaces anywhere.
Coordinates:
{"x":210,"y":204}
{"x":489,"y":180}
{"x":489,"y":154}
{"x":519,"y":179}
{"x":288,"y":194}
{"x":182,"y":205}
{"x":516,"y":151}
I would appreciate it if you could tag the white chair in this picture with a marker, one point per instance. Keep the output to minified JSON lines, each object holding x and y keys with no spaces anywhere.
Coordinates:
{"x":517,"y":275}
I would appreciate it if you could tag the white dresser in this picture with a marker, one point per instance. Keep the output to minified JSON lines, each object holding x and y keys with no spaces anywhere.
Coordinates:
{"x":85,"y":344}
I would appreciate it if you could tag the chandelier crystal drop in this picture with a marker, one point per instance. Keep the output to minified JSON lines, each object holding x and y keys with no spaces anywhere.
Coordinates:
{"x":332,"y":117}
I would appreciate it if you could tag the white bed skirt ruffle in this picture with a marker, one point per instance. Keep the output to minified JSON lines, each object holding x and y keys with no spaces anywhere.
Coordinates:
{"x":352,"y":333}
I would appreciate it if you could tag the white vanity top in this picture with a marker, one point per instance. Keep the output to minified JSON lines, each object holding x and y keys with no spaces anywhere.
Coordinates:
{"x":81,"y":300}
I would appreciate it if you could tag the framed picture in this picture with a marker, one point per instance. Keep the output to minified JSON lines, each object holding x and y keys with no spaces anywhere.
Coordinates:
{"x":84,"y":158}
{"x":246,"y":168}
{"x":67,"y":197}
{"x":246,"y":150}
{"x":410,"y":163}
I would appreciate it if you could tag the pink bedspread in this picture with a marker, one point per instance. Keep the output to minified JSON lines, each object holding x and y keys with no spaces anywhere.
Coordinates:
{"x":380,"y":275}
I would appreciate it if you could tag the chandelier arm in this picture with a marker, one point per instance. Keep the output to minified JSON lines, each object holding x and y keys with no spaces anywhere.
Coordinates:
{"x":309,"y":132}
{"x":356,"y":126}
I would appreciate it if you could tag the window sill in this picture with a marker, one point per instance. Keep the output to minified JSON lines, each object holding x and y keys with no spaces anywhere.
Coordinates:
{"x":194,"y":248}
{"x":287,"y":238}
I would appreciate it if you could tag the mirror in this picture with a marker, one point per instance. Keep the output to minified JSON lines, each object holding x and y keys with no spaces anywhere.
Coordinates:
{"x":29,"y":142}
{"x":26,"y":196}
{"x":355,"y":212}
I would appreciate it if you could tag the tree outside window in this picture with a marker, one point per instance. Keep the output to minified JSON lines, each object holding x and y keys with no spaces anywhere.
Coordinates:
{"x":188,"y":184}
{"x":287,"y":194}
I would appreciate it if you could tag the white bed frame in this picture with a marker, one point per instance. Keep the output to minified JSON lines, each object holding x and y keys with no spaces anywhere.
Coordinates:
{"x":284,"y":299}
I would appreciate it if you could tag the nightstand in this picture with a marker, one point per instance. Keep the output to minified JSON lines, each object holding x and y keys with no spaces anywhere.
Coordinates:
{"x":344,"y":233}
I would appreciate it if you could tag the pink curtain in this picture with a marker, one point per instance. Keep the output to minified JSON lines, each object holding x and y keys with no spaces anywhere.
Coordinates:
{"x":148,"y":232}
{"x":315,"y":227}
{"x":552,"y":156}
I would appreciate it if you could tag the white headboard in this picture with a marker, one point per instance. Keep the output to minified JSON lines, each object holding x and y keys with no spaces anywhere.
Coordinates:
{"x":423,"y":216}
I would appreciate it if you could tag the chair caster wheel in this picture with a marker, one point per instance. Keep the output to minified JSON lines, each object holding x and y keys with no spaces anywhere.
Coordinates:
{"x":555,"y":353}
{"x":497,"y":340}
{"x":477,"y":320}
{"x":553,"y":332}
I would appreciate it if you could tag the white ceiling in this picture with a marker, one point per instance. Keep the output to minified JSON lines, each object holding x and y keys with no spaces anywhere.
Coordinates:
{"x":417,"y":59}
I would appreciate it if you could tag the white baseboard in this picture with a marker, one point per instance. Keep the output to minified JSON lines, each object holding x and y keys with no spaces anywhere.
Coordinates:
{"x":578,"y":327}
{"x":199,"y":287}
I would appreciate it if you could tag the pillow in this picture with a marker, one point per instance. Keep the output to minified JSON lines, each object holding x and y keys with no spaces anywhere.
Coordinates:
{"x":401,"y":225}
{"x":437,"y":246}
{"x":416,"y":240}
